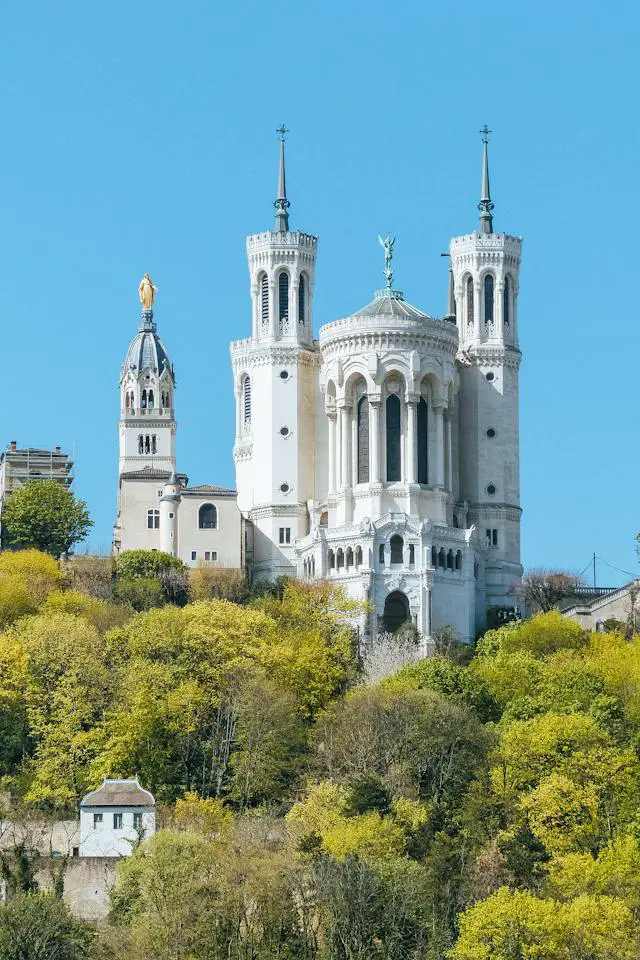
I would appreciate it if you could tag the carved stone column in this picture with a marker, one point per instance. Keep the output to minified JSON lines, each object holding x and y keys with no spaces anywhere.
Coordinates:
{"x":345,"y":438}
{"x":331,"y":414}
{"x":374,"y":439}
{"x":438,"y":416}
{"x":412,"y":438}
{"x":448,"y":453}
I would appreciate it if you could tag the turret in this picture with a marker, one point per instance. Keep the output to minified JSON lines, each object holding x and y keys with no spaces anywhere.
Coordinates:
{"x":169,"y":505}
{"x":485,"y":271}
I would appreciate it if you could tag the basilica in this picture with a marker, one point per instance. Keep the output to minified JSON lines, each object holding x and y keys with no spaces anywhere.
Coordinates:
{"x":382,"y":455}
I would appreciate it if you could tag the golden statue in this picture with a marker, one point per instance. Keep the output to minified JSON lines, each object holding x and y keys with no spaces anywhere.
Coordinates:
{"x":146,"y":292}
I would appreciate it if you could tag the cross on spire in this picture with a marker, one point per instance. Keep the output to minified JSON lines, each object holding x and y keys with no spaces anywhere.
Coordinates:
{"x":485,"y":133}
{"x":282,"y":204}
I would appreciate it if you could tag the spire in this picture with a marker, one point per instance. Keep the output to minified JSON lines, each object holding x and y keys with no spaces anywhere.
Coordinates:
{"x":485,"y":206}
{"x":282,"y":204}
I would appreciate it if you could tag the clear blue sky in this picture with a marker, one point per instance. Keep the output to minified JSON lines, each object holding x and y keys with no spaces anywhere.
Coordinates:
{"x":139,"y":135}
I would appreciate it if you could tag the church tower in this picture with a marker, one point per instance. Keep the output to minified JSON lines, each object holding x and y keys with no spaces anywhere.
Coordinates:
{"x":485,"y":269}
{"x":147,"y":384}
{"x":275,"y":377}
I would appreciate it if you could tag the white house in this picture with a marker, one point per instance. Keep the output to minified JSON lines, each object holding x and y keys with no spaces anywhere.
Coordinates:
{"x":114,"y":817}
{"x":384,"y":455}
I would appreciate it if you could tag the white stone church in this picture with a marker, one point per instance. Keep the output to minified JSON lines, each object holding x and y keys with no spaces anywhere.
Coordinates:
{"x":382,"y":455}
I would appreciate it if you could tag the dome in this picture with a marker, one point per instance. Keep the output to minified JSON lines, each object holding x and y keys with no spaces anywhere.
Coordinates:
{"x":146,"y":351}
{"x":391,"y":303}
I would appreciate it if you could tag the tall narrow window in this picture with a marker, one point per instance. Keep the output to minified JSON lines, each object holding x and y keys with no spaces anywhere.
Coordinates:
{"x":469,"y":294}
{"x":506,"y":301}
{"x":393,"y":437}
{"x":246,"y":400}
{"x":423,"y":442}
{"x":154,"y":444}
{"x":143,"y":401}
{"x":363,"y":440}
{"x":488,"y":298}
{"x":397,"y":547}
{"x":150,"y":399}
{"x":153,"y":519}
{"x":264,"y":301}
{"x":302,"y":300}
{"x":140,"y":444}
{"x":283,"y":301}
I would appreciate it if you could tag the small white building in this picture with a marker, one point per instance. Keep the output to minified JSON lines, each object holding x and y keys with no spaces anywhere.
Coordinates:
{"x":114,"y":817}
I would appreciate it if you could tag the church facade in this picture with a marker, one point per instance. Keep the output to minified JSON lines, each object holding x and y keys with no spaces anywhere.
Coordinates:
{"x":384,"y":454}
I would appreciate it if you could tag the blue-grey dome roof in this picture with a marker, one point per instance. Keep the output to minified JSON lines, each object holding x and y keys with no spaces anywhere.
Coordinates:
{"x":146,"y":351}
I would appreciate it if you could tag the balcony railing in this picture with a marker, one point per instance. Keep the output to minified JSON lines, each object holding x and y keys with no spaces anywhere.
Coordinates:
{"x":147,"y":412}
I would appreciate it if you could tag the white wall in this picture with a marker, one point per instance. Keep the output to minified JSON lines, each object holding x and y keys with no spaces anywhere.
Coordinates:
{"x":103,"y":840}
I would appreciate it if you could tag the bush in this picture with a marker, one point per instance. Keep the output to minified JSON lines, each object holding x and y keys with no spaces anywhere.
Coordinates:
{"x":15,"y":600}
{"x":142,"y":593}
{"x":39,"y":571}
{"x":102,"y":614}
{"x":39,"y":926}
{"x":145,"y":563}
{"x":218,"y":583}
{"x":91,"y":575}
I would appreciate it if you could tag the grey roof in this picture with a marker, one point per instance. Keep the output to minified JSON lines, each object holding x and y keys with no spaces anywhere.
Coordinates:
{"x":204,"y":489}
{"x":146,"y":352}
{"x":119,"y":793}
{"x":391,"y":303}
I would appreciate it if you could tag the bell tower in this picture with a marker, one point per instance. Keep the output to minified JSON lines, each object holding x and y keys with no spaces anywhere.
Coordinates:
{"x":485,"y":275}
{"x":275,"y":378}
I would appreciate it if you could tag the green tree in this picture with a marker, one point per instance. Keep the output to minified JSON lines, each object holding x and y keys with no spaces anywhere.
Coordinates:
{"x":45,"y":515}
{"x":151,"y":567}
{"x":38,"y":926}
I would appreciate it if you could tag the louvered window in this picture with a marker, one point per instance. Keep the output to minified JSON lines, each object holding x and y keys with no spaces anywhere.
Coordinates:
{"x":363,"y":440}
{"x":246,"y":400}
{"x":488,"y":298}
{"x":423,"y":442}
{"x":302,"y":300}
{"x":264,"y":300}
{"x":470,"y":313}
{"x":506,"y":301}
{"x":393,"y":438}
{"x":283,"y":301}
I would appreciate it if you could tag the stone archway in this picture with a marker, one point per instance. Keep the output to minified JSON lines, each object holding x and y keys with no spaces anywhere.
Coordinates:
{"x":396,"y":611}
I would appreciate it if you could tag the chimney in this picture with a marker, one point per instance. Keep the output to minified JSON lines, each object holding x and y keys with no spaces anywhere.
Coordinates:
{"x":13,"y":445}
{"x":57,"y":449}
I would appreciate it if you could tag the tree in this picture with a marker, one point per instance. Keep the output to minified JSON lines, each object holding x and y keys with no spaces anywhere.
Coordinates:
{"x":45,"y":515}
{"x":151,"y":566}
{"x":543,"y":590}
{"x":38,"y":926}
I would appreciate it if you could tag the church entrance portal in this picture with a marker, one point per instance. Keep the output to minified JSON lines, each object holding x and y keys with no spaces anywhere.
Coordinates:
{"x":396,"y":611}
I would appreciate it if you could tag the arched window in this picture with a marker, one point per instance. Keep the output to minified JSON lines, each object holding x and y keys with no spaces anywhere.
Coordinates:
{"x":143,"y":401}
{"x":331,"y":559}
{"x":450,"y":560}
{"x":207,"y":517}
{"x":264,"y":301}
{"x":154,"y":444}
{"x":147,"y":444}
{"x":397,"y":544}
{"x":302,"y":299}
{"x":442,"y":558}
{"x":283,"y":301}
{"x":506,"y":301}
{"x":349,"y":557}
{"x":488,"y":298}
{"x":246,"y":400}
{"x":458,"y":560}
{"x":434,"y":556}
{"x":150,"y":399}
{"x":393,"y":437}
{"x":363,"y":440}
{"x":140,"y":443}
{"x":358,"y":556}
{"x":412,"y":554}
{"x":470,"y":302}
{"x":381,"y":554}
{"x":423,"y":442}
{"x":153,"y":519}
{"x":340,"y":558}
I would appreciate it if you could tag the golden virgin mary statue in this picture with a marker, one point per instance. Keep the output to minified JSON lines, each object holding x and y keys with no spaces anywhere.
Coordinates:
{"x":146,"y":292}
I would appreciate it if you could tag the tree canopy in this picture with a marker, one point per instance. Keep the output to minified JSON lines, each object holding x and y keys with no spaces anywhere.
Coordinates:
{"x":46,"y":516}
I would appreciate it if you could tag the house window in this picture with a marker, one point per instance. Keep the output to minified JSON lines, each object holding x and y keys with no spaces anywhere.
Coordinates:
{"x":492,"y":537}
{"x":193,"y":554}
{"x":171,"y":516}
{"x":97,"y":821}
{"x":153,"y":519}
{"x":207,"y":555}
{"x":207,"y":517}
{"x":285,"y":535}
{"x":117,"y":821}
{"x":137,"y":821}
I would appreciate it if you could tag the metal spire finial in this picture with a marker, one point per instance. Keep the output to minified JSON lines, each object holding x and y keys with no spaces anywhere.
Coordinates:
{"x":282,"y":204}
{"x":387,"y":245}
{"x":485,"y":206}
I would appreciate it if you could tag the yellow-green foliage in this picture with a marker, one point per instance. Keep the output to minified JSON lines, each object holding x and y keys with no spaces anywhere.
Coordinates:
{"x":101,"y":613}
